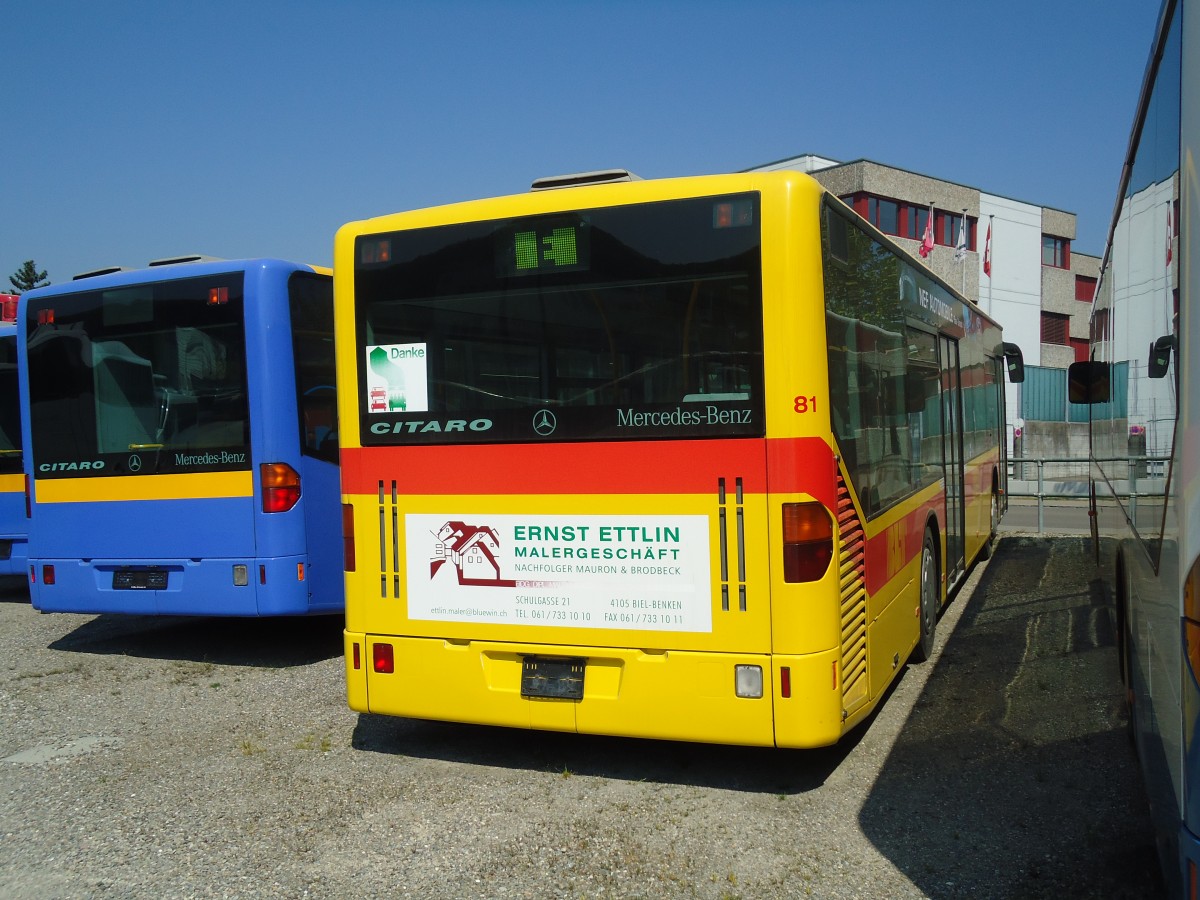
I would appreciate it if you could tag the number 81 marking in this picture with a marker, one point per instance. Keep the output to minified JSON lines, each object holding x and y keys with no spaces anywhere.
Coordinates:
{"x":804,"y":404}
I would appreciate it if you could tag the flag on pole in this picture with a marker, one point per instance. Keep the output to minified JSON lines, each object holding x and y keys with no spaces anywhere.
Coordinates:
{"x":960,"y":247}
{"x":927,"y":241}
{"x":987,"y":252}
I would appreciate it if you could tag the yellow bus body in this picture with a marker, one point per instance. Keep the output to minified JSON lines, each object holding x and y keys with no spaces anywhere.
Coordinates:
{"x":838,"y":641}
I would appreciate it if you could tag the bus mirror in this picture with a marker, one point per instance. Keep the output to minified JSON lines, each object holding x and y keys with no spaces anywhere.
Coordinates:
{"x":1160,"y":356}
{"x":1087,"y":382}
{"x":1015,"y":362}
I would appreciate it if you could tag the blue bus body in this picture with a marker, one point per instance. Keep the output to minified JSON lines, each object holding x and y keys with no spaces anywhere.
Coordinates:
{"x":186,"y":462}
{"x":1143,"y":391}
{"x":14,"y":526}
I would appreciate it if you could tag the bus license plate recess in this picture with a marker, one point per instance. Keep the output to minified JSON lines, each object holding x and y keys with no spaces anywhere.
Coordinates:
{"x":139,"y":580}
{"x":556,"y":677}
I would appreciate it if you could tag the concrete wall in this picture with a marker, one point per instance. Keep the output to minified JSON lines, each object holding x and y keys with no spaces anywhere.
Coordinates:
{"x":1053,"y":440}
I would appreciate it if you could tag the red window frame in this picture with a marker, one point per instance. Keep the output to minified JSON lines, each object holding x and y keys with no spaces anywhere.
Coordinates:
{"x":1057,"y":250}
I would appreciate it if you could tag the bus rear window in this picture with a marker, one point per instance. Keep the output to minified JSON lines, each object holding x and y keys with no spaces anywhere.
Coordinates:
{"x":10,"y":406}
{"x":140,"y":380}
{"x":621,"y":323}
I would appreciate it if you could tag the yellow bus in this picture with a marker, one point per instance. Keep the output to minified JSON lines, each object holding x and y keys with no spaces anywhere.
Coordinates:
{"x":693,"y":459}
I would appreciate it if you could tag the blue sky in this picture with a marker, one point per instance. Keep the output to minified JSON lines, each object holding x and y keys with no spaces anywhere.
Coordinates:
{"x":136,"y":130}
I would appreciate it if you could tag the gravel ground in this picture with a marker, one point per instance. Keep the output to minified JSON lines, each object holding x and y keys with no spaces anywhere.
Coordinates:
{"x":146,"y":757}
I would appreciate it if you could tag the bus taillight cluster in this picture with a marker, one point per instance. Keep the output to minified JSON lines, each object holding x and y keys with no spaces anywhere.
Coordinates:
{"x":807,"y":541}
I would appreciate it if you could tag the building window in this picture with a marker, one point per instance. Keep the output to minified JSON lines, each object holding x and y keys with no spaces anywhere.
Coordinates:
{"x":1056,"y":252}
{"x":908,"y":220}
{"x":1085,"y":288}
{"x":884,"y":214}
{"x":946,"y":227}
{"x":915,"y":219}
{"x":1056,"y":328}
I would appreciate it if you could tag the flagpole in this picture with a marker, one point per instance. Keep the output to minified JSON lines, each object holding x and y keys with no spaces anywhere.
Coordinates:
{"x":963,"y":230}
{"x":987,"y":253}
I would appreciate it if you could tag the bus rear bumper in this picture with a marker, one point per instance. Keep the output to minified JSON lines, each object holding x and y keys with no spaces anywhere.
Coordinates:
{"x":14,"y":555}
{"x":670,"y":695}
{"x":172,"y":587}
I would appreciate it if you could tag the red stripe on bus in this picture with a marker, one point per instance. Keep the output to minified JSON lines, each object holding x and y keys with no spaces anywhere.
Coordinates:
{"x":803,"y":466}
{"x":880,"y":567}
{"x":601,"y":467}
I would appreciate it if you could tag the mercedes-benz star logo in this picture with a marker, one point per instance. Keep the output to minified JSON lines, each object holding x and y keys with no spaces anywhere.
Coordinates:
{"x":544,"y":422}
{"x":135,"y":463}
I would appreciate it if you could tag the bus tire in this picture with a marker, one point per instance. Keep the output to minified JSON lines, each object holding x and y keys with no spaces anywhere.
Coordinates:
{"x":929,"y":599}
{"x":989,"y":543}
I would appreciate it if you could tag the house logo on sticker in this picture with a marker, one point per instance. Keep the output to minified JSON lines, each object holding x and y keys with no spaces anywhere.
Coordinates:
{"x":473,"y":550}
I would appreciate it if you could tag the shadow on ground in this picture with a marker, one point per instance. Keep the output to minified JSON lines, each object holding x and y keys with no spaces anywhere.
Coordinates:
{"x":1014,"y":776}
{"x":752,"y":769}
{"x":269,"y":643}
{"x":14,"y":589}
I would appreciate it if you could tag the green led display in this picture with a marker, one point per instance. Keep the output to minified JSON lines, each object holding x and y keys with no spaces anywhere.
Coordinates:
{"x":561,"y":244}
{"x":542,"y":246}
{"x":526,"y":247}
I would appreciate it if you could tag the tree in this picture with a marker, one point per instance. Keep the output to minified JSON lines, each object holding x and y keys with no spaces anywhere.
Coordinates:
{"x":28,"y":277}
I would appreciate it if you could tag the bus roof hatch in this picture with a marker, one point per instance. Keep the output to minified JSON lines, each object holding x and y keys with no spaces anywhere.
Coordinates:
{"x":579,"y":179}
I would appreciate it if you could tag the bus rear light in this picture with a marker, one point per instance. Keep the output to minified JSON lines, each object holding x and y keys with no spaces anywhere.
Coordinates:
{"x":262,"y":574}
{"x":280,"y":487}
{"x":748,"y":682}
{"x":807,"y":541}
{"x":785,"y":681}
{"x":241,"y":576}
{"x":218,"y":296}
{"x":299,"y":571}
{"x":348,"y":537}
{"x":382,"y":659}
{"x":357,"y":657}
{"x":47,"y":574}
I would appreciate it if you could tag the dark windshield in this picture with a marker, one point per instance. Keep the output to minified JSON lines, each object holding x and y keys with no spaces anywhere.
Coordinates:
{"x":144,"y":379}
{"x":626,"y":322}
{"x":10,"y":405}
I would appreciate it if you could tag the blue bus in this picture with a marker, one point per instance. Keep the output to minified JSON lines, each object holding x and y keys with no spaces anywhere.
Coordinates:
{"x":1143,"y":396}
{"x":181,"y":434}
{"x":14,"y":525}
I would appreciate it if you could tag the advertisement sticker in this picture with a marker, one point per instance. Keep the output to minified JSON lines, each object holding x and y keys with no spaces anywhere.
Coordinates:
{"x":627,"y":572}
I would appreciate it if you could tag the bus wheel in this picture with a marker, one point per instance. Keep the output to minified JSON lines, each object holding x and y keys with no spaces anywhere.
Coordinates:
{"x":989,"y":543}
{"x":929,"y":599}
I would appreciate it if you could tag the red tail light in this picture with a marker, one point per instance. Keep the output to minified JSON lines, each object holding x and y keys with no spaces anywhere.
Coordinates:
{"x":280,"y":487}
{"x":807,"y":541}
{"x":348,"y":537}
{"x":47,"y":574}
{"x":382,"y":659}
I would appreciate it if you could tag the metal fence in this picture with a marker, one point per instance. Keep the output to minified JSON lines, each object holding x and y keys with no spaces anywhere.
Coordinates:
{"x":1050,"y":478}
